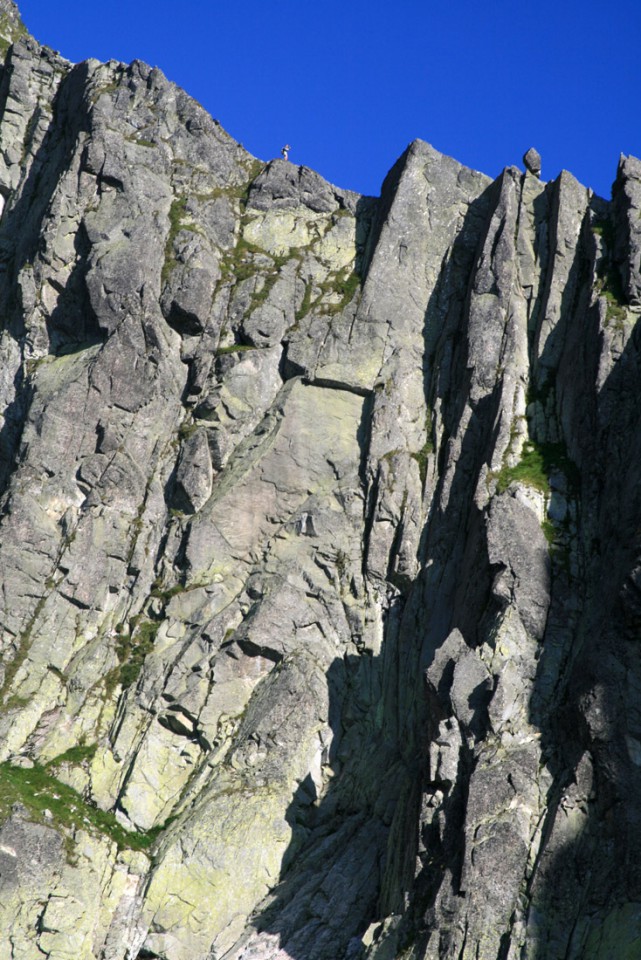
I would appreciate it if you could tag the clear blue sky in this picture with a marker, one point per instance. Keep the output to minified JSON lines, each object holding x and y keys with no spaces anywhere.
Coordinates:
{"x":349,"y":84}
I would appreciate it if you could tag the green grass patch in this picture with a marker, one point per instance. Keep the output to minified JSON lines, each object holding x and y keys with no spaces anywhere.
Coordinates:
{"x":609,"y":281}
{"x":141,"y":142}
{"x":11,"y":669}
{"x":344,"y":285}
{"x":254,"y":168}
{"x":421,"y":456}
{"x":530,"y":470}
{"x":38,"y":790}
{"x":136,"y":529}
{"x":549,"y":531}
{"x":342,"y":564}
{"x":165,"y":594}
{"x":239,"y":191}
{"x":15,"y":702}
{"x":306,"y":303}
{"x":599,"y":227}
{"x":132,"y":647}
{"x":108,"y":88}
{"x":604,"y":227}
{"x":260,"y":296}
{"x":615,"y":313}
{"x":248,"y":260}
{"x":239,"y":263}
{"x":537,"y":461}
{"x":187,"y":429}
{"x":610,"y":284}
{"x":28,"y":137}
{"x":82,"y":753}
{"x":178,"y":220}
{"x":177,"y":214}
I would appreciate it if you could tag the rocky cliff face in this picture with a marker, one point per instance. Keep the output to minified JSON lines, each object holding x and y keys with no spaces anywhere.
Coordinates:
{"x":320,"y":545}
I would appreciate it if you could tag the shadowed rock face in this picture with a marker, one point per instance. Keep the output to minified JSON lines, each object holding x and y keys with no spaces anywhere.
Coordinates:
{"x":320,"y":545}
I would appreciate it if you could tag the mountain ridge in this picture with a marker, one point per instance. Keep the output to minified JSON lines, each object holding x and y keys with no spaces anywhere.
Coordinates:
{"x":319,"y":545}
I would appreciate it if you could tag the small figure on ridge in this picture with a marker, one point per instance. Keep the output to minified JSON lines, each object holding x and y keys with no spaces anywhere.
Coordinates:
{"x":285,"y":151}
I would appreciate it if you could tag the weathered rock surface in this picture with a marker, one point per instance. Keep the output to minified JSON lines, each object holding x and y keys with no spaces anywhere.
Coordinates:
{"x":319,"y":541}
{"x":532,"y":161}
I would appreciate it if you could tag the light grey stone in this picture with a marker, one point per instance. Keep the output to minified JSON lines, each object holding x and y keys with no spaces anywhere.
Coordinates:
{"x":194,"y":473}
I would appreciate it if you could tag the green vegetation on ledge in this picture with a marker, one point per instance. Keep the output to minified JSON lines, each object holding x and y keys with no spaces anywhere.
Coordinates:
{"x":131,"y":649}
{"x":238,"y":191}
{"x":421,"y":456}
{"x":537,"y":461}
{"x":234,"y":348}
{"x":247,"y":260}
{"x":306,"y":303}
{"x":51,"y":802}
{"x":177,"y":221}
{"x":82,"y":753}
{"x":609,"y":283}
{"x":342,"y":283}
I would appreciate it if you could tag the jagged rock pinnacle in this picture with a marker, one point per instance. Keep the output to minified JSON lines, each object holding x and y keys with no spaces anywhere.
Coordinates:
{"x":532,"y":161}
